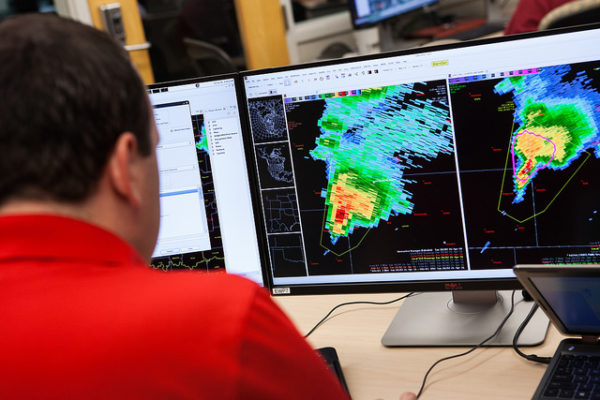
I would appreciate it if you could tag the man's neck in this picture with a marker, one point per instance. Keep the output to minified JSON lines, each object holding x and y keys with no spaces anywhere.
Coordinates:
{"x":20,"y":207}
{"x":102,"y":209}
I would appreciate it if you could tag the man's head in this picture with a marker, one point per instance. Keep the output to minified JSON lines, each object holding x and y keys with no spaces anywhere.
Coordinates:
{"x":71,"y":103}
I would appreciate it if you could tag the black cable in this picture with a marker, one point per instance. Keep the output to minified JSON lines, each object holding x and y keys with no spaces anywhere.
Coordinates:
{"x":472,"y":349}
{"x":378,"y":303}
{"x":530,"y":357}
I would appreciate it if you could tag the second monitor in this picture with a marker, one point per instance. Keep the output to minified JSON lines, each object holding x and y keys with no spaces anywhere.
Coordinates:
{"x":207,"y":211}
{"x":366,"y":13}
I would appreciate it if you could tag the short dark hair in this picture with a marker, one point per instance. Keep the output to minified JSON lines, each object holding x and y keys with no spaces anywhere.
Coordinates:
{"x":67,"y":92}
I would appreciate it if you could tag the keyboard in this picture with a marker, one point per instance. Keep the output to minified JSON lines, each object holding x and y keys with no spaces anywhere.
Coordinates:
{"x":575,"y":376}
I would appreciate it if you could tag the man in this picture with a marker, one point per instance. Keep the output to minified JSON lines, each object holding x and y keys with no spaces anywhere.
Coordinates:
{"x":81,"y":315}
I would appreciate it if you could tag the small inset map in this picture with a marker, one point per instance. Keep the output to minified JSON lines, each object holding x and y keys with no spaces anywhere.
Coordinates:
{"x":267,"y":119}
{"x":274,"y":165}
{"x":281,"y":211}
{"x":287,"y":257}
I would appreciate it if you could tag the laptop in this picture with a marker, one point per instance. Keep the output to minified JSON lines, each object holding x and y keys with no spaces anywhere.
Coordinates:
{"x":570,"y":296}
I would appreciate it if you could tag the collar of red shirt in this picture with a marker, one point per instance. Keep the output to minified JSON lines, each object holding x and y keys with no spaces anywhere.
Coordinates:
{"x":61,"y":238}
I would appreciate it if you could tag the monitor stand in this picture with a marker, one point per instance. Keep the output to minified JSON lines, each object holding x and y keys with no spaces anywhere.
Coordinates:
{"x":463,"y":318}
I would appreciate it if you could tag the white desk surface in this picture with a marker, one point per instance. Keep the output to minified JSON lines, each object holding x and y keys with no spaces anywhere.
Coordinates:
{"x":373,"y":371}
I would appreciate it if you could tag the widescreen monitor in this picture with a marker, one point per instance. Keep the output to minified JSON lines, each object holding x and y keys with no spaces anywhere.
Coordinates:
{"x":432,"y":169}
{"x":207,"y":220}
{"x":367,"y":13}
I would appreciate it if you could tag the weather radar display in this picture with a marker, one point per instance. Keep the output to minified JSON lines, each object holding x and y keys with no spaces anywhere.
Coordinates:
{"x":366,"y":167}
{"x":367,"y":142}
{"x":474,"y":172}
{"x":539,"y":160}
{"x":558,"y":122}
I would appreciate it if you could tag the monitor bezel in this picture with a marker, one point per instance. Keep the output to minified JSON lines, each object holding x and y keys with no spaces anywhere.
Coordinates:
{"x":392,"y":286}
{"x":252,"y":178}
{"x":417,"y":50}
{"x":371,"y":24}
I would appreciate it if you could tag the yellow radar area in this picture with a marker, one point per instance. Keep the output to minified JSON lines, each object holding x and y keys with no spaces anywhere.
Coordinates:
{"x":348,"y":201}
{"x":537,"y":152}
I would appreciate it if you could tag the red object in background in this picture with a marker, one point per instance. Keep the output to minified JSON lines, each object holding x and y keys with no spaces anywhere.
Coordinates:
{"x":529,"y":13}
{"x":446,"y":30}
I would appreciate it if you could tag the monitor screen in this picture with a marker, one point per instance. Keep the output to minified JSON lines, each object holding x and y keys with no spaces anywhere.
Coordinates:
{"x":207,"y":213}
{"x":575,"y":300}
{"x":367,"y":13}
{"x":430,"y":169}
{"x":569,"y":296}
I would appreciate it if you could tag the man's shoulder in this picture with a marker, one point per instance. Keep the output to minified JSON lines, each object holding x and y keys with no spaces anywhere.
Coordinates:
{"x":200,"y":290}
{"x":186,"y":301}
{"x":200,"y":283}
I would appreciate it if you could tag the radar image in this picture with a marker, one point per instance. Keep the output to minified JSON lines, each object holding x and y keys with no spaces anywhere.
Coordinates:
{"x":368,"y":172}
{"x":532,"y":173}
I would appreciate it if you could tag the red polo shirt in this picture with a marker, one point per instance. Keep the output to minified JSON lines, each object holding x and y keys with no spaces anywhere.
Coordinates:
{"x":82,"y":316}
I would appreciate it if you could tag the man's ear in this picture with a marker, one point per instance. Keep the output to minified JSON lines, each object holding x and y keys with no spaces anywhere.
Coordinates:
{"x":122,"y":173}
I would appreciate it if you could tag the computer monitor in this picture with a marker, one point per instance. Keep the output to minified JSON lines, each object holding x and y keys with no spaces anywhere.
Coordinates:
{"x":207,"y":220}
{"x":433,"y":169}
{"x":367,"y":13}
